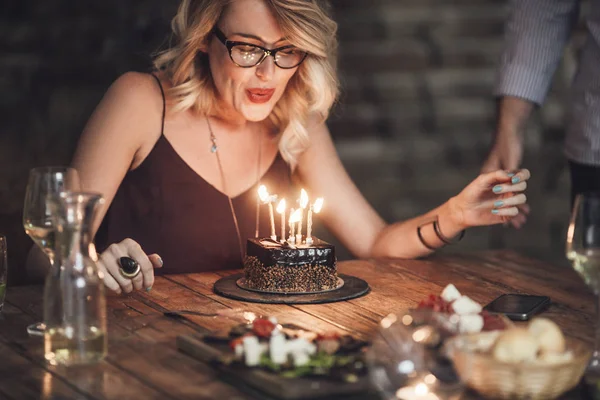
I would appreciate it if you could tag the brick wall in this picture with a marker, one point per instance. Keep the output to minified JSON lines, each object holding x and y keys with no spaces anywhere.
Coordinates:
{"x":57,"y":58}
{"x":412,"y":126}
{"x":416,"y":116}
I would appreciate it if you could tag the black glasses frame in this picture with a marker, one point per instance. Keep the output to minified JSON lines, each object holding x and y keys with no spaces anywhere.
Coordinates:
{"x":266,"y":52}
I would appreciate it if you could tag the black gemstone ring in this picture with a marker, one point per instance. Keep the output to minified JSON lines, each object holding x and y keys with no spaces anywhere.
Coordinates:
{"x":129,"y":268}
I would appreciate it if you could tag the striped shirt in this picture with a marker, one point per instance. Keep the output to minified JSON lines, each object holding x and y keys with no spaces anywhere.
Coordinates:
{"x":536,"y":34}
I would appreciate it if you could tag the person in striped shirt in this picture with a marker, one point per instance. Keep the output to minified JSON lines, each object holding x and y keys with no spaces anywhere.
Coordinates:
{"x":536,"y":34}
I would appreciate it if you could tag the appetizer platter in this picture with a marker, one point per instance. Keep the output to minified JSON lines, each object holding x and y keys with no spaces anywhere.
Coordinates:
{"x":284,"y":361}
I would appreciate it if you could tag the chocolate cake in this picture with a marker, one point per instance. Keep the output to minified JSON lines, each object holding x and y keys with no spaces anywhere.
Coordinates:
{"x":282,"y":267}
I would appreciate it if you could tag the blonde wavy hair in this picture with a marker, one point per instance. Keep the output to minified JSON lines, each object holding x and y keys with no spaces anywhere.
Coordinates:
{"x":311,"y":91}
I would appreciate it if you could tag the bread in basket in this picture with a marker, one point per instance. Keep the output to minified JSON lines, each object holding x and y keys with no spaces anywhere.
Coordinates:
{"x":504,"y":365}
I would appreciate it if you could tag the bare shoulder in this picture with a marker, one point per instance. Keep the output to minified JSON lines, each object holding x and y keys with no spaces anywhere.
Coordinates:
{"x":136,"y":90}
{"x":136,"y":101}
{"x":128,"y":119}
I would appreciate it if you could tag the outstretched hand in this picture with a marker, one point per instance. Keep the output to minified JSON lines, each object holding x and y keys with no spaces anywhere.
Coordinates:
{"x":507,"y":154}
{"x":492,"y":198}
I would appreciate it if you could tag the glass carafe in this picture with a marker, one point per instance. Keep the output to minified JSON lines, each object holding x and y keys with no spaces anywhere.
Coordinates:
{"x":74,"y":302}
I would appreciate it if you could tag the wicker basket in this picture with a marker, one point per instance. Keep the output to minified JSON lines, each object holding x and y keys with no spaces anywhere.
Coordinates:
{"x":496,"y":379}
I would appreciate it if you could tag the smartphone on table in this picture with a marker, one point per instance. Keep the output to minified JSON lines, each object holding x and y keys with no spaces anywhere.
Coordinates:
{"x":518,"y":307}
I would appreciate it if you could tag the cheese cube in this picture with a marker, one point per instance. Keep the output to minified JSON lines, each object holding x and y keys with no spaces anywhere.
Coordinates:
{"x":450,"y":293}
{"x":277,"y":349}
{"x":464,"y":305}
{"x":300,"y":358}
{"x":470,"y":323}
{"x":239,"y":350}
{"x":300,"y":345}
{"x":252,"y":350}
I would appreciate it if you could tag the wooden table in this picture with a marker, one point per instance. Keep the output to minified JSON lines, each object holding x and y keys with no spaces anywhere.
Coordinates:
{"x":143,"y":361}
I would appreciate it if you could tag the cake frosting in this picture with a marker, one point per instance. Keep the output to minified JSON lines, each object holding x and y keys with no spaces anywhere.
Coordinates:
{"x":282,"y":267}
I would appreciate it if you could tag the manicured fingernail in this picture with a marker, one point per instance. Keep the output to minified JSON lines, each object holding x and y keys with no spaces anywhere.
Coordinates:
{"x":515,"y":179}
{"x":510,"y":174}
{"x":497,"y":189}
{"x":160,"y":260}
{"x":494,"y":211}
{"x":148,"y":289}
{"x":498,"y":204}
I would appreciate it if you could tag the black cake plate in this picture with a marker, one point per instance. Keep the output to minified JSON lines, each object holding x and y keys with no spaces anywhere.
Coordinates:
{"x":353,"y":287}
{"x":242,"y":283}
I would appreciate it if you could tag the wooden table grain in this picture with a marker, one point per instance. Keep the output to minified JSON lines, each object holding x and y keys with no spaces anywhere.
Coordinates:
{"x":143,"y":361}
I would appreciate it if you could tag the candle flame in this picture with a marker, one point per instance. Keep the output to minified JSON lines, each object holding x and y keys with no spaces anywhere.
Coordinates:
{"x":295,"y":216}
{"x":421,"y":389}
{"x":318,"y":205}
{"x":281,"y":206}
{"x":303,"y":198}
{"x":263,"y":193}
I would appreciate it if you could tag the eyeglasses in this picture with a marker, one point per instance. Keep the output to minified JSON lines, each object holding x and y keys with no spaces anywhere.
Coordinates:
{"x":248,"y":55}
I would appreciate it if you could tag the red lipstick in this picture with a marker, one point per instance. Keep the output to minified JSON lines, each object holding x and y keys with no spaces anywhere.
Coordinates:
{"x":260,"y":95}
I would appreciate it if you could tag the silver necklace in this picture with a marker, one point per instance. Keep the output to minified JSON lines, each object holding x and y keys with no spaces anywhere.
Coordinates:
{"x":214,"y":148}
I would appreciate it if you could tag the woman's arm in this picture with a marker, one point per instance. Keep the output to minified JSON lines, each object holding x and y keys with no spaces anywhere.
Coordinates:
{"x":356,"y":224}
{"x":118,"y":136}
{"x":488,"y":200}
{"x":346,"y":213}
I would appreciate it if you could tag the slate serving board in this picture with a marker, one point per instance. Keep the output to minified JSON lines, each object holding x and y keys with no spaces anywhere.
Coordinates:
{"x":270,"y":383}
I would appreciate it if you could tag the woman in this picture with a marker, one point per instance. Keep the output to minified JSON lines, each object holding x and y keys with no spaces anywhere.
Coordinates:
{"x":248,"y":86}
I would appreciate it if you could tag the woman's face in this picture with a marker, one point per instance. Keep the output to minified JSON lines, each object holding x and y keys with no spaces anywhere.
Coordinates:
{"x":249,"y":93}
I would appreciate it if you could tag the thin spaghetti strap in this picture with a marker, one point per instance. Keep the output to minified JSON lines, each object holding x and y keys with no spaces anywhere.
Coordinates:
{"x":162,"y":92}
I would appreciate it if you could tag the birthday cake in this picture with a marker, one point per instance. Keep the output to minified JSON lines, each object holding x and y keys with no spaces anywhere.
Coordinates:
{"x":272,"y":266}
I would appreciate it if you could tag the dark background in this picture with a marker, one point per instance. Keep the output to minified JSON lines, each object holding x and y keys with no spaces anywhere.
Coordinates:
{"x":412,"y":127}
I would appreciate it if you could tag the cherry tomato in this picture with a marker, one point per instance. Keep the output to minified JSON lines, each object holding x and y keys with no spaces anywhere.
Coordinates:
{"x":262,"y":327}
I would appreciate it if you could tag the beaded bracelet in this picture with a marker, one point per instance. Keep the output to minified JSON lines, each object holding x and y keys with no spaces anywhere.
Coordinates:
{"x":440,"y":235}
{"x":423,"y":242}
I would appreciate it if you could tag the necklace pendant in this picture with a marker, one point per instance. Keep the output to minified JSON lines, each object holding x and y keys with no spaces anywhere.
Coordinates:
{"x":213,"y":149}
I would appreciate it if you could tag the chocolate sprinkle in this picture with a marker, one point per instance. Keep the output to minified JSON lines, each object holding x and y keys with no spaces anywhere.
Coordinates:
{"x":308,"y":268}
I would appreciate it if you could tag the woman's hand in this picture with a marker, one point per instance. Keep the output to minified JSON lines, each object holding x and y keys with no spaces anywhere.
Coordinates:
{"x":108,"y":263}
{"x":492,"y":198}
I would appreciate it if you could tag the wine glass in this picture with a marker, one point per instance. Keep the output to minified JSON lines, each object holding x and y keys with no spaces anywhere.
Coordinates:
{"x":408,"y":359}
{"x":37,"y":218}
{"x":583,"y":250}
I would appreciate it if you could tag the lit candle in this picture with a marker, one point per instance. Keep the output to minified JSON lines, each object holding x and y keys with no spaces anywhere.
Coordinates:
{"x":263,"y":194}
{"x":418,"y":392}
{"x":273,"y":234}
{"x":294,"y":217}
{"x":281,"y":211}
{"x":303,"y":203}
{"x":316,"y":208}
{"x":292,"y":224}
